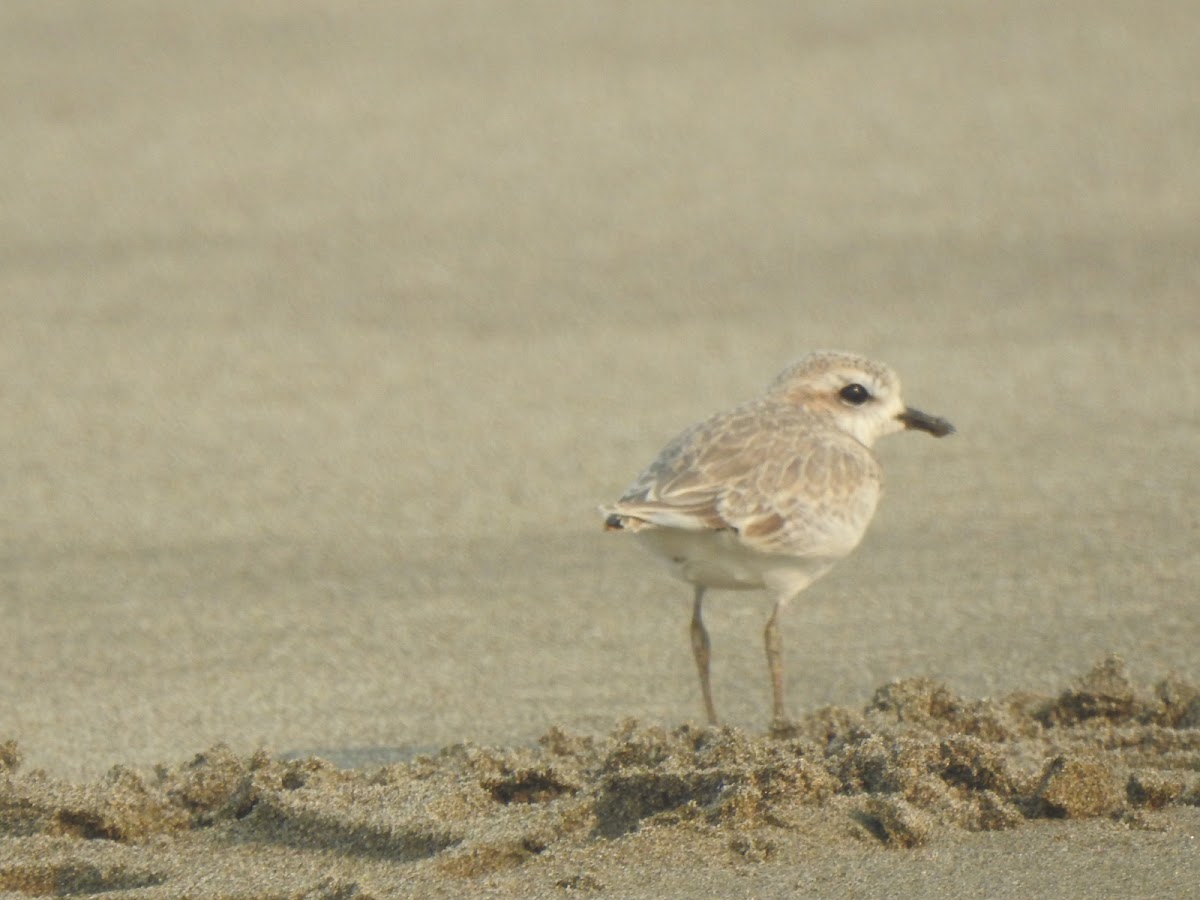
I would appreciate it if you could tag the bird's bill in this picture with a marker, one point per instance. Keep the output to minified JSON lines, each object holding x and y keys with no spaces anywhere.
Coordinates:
{"x":914,"y":418}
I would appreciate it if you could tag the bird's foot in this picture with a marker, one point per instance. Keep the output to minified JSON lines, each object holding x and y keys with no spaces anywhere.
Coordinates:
{"x":783,"y":728}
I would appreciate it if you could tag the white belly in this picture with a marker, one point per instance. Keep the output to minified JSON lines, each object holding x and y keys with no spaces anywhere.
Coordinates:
{"x":717,"y":559}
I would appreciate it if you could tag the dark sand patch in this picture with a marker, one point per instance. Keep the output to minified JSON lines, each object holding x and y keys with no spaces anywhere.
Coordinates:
{"x":914,"y":767}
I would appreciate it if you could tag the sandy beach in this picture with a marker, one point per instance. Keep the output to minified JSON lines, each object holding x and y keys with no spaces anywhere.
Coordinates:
{"x":327,"y":328}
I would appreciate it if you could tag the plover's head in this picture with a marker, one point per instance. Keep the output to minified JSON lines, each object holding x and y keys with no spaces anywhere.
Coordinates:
{"x":861,"y":397}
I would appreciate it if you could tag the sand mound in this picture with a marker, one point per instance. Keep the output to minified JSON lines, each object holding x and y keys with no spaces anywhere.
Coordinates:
{"x":917,"y":761}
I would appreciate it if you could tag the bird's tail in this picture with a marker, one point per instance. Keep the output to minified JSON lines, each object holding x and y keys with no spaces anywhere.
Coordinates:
{"x":615,"y":520}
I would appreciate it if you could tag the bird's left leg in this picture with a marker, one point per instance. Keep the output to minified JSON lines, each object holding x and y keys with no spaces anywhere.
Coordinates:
{"x":702,"y":651}
{"x":774,"y":643}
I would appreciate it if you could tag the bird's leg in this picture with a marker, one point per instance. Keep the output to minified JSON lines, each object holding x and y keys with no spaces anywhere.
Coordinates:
{"x":701,"y":649}
{"x":774,"y":642}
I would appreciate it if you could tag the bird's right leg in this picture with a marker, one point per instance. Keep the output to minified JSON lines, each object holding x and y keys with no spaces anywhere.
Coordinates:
{"x":774,"y":643}
{"x":701,"y":649}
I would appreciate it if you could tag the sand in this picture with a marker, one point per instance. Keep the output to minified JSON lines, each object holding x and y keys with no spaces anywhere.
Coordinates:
{"x":646,"y":811}
{"x":327,"y":329}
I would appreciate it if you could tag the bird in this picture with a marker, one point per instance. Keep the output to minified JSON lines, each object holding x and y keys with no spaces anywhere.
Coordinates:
{"x":771,"y":494}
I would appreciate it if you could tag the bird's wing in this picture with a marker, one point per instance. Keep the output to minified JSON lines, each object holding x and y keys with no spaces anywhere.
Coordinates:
{"x":784,"y":484}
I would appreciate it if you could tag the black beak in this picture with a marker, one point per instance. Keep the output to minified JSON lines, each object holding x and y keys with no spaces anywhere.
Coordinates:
{"x":914,"y":418}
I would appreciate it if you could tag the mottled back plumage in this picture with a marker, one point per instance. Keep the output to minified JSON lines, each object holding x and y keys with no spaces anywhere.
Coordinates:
{"x":768,"y":471}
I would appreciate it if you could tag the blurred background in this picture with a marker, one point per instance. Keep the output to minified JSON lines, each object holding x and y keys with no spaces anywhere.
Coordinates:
{"x":327,"y":326}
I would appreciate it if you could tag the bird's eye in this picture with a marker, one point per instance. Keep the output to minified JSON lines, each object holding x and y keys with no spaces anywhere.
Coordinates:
{"x":855,"y":394}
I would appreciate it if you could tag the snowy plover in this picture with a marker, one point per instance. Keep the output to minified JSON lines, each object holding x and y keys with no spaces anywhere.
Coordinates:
{"x":771,"y":493}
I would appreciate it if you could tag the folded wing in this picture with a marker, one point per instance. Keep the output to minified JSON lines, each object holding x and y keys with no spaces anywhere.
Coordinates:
{"x":790,"y":488}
